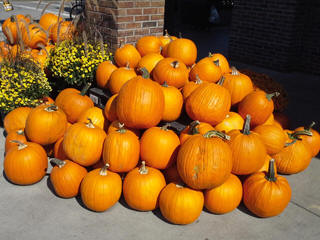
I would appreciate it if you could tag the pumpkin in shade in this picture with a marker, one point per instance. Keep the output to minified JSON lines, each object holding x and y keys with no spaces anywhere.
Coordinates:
{"x":172,"y":71}
{"x":232,"y":121}
{"x":272,"y":136}
{"x":127,"y":55}
{"x":189,"y":87}
{"x":66,"y":177}
{"x":12,"y":25}
{"x":265,"y":194}
{"x":209,"y":103}
{"x":110,"y":110}
{"x":58,"y":151}
{"x":140,"y":103}
{"x":116,"y":125}
{"x":119,"y":77}
{"x":100,"y":189}
{"x":34,"y":36}
{"x":149,"y":61}
{"x":224,"y":198}
{"x":238,"y":84}
{"x":180,"y":205}
{"x":173,"y":102}
{"x":259,"y":105}
{"x":46,"y":124}
{"x":313,"y":141}
{"x":16,"y":119}
{"x":47,"y":20}
{"x":159,"y":147}
{"x":17,"y":135}
{"x":207,"y":70}
{"x":142,"y":186}
{"x":96,"y":116}
{"x":194,"y":128}
{"x":295,"y":156}
{"x":183,"y":49}
{"x":26,"y":163}
{"x":171,"y":174}
{"x":221,"y":61}
{"x":66,"y":31}
{"x":83,"y":143}
{"x":121,"y":150}
{"x":148,"y":44}
{"x":103,"y":73}
{"x":73,"y":102}
{"x":205,"y":161}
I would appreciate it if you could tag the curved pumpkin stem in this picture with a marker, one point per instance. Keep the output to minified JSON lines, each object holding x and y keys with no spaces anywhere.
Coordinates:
{"x":246,"y":126}
{"x":21,"y":145}
{"x":51,"y":108}
{"x":104,"y":170}
{"x":221,"y":81}
{"x":165,"y":127}
{"x":58,"y":162}
{"x":269,"y":96}
{"x":234,"y":71}
{"x":145,"y":73}
{"x":143,"y":169}
{"x":215,"y":133}
{"x":193,"y":128}
{"x":271,"y":172}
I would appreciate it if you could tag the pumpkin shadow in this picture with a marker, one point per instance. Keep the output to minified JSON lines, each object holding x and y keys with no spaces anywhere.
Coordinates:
{"x":245,"y":210}
{"x":158,"y":214}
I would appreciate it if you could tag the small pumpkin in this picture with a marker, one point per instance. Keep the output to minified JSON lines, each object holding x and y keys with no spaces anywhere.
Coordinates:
{"x":119,"y":77}
{"x":16,"y":119}
{"x":313,"y":141}
{"x":148,"y":44}
{"x":103,"y":73}
{"x":207,"y":70}
{"x":17,"y":135}
{"x":232,"y":121}
{"x":110,"y":110}
{"x":173,"y":102}
{"x":127,"y":55}
{"x":183,"y":49}
{"x":194,"y":128}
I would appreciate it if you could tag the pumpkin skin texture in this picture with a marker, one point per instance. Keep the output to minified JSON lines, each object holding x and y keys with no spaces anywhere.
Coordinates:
{"x":194,"y":128}
{"x":207,"y":71}
{"x":205,"y":161}
{"x":171,"y":174}
{"x":172,"y":71}
{"x":224,"y":198}
{"x":66,"y":31}
{"x":96,"y":116}
{"x":182,"y":49}
{"x":121,"y":150}
{"x":312,"y":141}
{"x":180,"y":205}
{"x":37,"y":36}
{"x":119,"y":77}
{"x":83,"y":143}
{"x":127,"y":55}
{"x":17,"y":135}
{"x":149,"y":61}
{"x":173,"y":102}
{"x":25,"y":163}
{"x":16,"y":119}
{"x":265,"y":194}
{"x":148,"y":44}
{"x":142,"y":187}
{"x":140,"y":103}
{"x":66,"y":178}
{"x":258,"y":105}
{"x":103,"y":73}
{"x":110,"y":110}
{"x":232,"y":121}
{"x":58,"y":151}
{"x":208,"y":103}
{"x":100,"y":189}
{"x":46,"y":124}
{"x":159,"y":147}
{"x":221,"y":61}
{"x":73,"y":102}
{"x":10,"y":29}
{"x":47,"y":21}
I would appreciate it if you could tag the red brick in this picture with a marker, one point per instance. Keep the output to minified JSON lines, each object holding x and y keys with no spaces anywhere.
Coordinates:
{"x":156,"y":17}
{"x":141,"y":18}
{"x":150,"y":11}
{"x":142,"y":4}
{"x":133,"y":25}
{"x":125,"y":19}
{"x":134,"y":11}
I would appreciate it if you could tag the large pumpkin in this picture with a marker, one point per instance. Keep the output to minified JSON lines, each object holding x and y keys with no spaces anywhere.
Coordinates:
{"x":16,"y":119}
{"x":182,"y":49}
{"x":173,"y":102}
{"x":205,"y":161}
{"x":127,"y":55}
{"x":140,"y":103}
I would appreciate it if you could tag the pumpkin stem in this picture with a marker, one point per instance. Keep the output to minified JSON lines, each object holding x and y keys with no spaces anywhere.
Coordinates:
{"x":221,"y":81}
{"x":175,"y":64}
{"x":310,"y":126}
{"x":215,"y":133}
{"x":217,"y":62}
{"x":51,"y":108}
{"x":165,"y":127}
{"x":145,"y":73}
{"x":165,"y":84}
{"x":198,"y":80}
{"x":143,"y":169}
{"x":85,"y":89}
{"x":246,"y":126}
{"x":269,"y":96}
{"x":104,"y":170}
{"x":21,"y":145}
{"x":271,"y":173}
{"x":90,"y":123}
{"x":193,"y":128}
{"x":234,"y":71}
{"x":58,"y":162}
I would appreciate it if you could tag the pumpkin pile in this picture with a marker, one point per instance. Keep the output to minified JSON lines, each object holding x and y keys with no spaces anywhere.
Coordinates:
{"x":130,"y":148}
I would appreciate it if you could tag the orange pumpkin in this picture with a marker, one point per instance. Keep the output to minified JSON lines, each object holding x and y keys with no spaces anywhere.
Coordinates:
{"x":194,"y":128}
{"x":149,"y":61}
{"x":103,"y":73}
{"x":183,"y":49}
{"x":313,"y":141}
{"x":110,"y":108}
{"x":16,"y":119}
{"x":119,"y":77}
{"x":148,"y":44}
{"x":232,"y":121}
{"x":96,"y":116}
{"x":207,"y":70}
{"x":127,"y":55}
{"x":17,"y":135}
{"x":173,"y":102}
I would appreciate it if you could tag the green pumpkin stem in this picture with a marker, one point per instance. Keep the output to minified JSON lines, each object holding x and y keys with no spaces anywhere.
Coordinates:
{"x":215,"y":133}
{"x":143,"y":169}
{"x":165,"y":127}
{"x":165,"y":84}
{"x":221,"y":81}
{"x":271,"y":172}
{"x":234,"y":71}
{"x":104,"y":170}
{"x":51,"y":108}
{"x":246,"y":126}
{"x":269,"y":96}
{"x":21,"y":145}
{"x":193,"y":128}
{"x":145,"y":73}
{"x":85,"y":89}
{"x":58,"y":162}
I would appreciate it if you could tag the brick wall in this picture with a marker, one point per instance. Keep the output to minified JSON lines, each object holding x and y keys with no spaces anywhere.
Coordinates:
{"x":126,"y":21}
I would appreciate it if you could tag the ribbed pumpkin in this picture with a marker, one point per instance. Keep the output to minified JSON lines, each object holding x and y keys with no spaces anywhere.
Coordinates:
{"x":258,"y":105}
{"x":110,"y":110}
{"x":207,"y":70}
{"x":159,"y":147}
{"x":46,"y":124}
{"x":248,"y":150}
{"x":16,"y":119}
{"x":66,"y":177}
{"x":17,"y":135}
{"x":189,"y":87}
{"x":171,"y":174}
{"x":96,"y":116}
{"x":148,"y":44}
{"x":272,"y":136}
{"x":47,"y":21}
{"x":180,"y":205}
{"x":58,"y":151}
{"x":183,"y":49}
{"x":34,"y":37}
{"x":103,"y":73}
{"x":265,"y":194}
{"x":121,"y":150}
{"x":238,"y":84}
{"x":172,"y":71}
{"x":12,"y":25}
{"x":119,"y":77}
{"x":142,"y":187}
{"x":149,"y":61}
{"x":66,"y":31}
{"x":232,"y":121}
{"x":224,"y":198}
{"x":140,"y":102}
{"x":173,"y":102}
{"x":116,"y":125}
{"x":83,"y":143}
{"x":295,"y":156}
{"x":26,"y":163}
{"x":194,"y":128}
{"x":127,"y":55}
{"x":100,"y":189}
{"x":221,"y":61}
{"x":313,"y":141}
{"x":73,"y":102}
{"x":205,"y":161}
{"x":209,"y":103}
